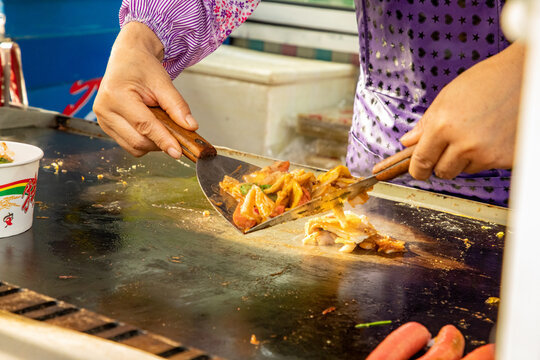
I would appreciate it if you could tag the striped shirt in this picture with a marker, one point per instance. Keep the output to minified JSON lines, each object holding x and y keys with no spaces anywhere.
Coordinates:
{"x":188,"y":29}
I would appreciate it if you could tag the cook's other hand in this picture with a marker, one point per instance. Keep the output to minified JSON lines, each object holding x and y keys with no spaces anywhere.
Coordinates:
{"x":471,"y":124}
{"x":134,"y":80}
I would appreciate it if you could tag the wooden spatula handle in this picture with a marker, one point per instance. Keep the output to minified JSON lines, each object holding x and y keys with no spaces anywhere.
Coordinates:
{"x":193,"y":145}
{"x":394,"y":165}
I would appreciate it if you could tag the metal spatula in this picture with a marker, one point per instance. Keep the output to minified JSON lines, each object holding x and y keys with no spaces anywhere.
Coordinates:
{"x":212,"y":168}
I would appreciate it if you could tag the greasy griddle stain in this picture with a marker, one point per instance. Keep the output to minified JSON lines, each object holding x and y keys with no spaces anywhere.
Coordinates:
{"x":288,"y":238}
{"x":417,"y":245}
{"x":434,"y":240}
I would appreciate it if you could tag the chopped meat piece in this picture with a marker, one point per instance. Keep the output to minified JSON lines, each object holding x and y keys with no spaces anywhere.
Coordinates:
{"x":359,"y":199}
{"x":278,"y":210}
{"x":231,"y":186}
{"x":356,"y":229}
{"x":333,"y":175}
{"x":319,"y":238}
{"x":242,"y":221}
{"x":269,"y":174}
{"x":388,"y":245}
{"x":279,"y":184}
{"x":305,"y":197}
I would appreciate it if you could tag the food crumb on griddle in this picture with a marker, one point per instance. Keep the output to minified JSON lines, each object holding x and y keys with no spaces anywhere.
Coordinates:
{"x":175,"y":259}
{"x":206,"y":213}
{"x":492,"y":300}
{"x":500,"y":234}
{"x":466,"y":242}
{"x":462,"y":323}
{"x":254,"y":340}
{"x":55,"y":166}
{"x":329,"y":310}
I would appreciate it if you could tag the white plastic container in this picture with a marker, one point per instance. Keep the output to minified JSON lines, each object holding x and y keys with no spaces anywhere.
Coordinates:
{"x":18,"y":184}
{"x":248,"y":100}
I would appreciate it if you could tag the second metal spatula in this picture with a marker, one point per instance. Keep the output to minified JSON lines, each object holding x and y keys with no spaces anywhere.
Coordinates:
{"x":212,"y":168}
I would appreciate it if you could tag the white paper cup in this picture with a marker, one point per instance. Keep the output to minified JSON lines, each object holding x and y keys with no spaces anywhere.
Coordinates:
{"x":18,"y":184}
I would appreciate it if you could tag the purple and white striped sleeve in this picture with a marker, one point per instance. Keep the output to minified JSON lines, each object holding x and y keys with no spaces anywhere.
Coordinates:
{"x":188,"y":29}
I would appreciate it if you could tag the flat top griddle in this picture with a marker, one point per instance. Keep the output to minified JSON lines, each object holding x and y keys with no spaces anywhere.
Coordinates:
{"x":128,"y":238}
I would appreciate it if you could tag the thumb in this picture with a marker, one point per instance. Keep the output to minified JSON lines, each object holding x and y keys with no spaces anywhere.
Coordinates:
{"x":174,"y":104}
{"x":414,"y":135}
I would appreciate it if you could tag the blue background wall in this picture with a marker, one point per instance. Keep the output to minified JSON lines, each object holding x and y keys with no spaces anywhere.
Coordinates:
{"x":62,"y":42}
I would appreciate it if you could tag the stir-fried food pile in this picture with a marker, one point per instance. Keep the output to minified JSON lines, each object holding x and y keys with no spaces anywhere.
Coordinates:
{"x":351,"y":230}
{"x":6,"y":156}
{"x":274,"y":189}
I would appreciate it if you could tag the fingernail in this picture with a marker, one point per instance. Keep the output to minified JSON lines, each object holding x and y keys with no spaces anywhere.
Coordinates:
{"x":405,"y":137}
{"x":173,"y":152}
{"x":191,"y":120}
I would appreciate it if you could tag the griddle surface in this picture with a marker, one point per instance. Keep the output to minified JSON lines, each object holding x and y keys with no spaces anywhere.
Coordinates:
{"x":136,"y":246}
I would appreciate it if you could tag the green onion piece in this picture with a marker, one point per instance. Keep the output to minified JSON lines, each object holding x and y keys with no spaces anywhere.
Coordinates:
{"x":244,"y":188}
{"x":4,"y":160}
{"x":375,"y":323}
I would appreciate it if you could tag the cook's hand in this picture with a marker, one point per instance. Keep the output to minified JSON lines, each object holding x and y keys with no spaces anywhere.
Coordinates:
{"x":471,"y":124}
{"x":135,"y":79}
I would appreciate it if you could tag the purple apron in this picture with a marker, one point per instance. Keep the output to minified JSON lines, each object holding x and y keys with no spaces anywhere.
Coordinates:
{"x":409,"y":50}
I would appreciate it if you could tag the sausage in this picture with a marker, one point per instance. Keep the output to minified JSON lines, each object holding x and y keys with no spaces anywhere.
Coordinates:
{"x":402,"y":343}
{"x":486,"y":352}
{"x":242,"y":221}
{"x":449,"y":345}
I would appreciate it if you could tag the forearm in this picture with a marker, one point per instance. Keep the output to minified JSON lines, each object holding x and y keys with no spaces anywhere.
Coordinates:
{"x":138,"y":35}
